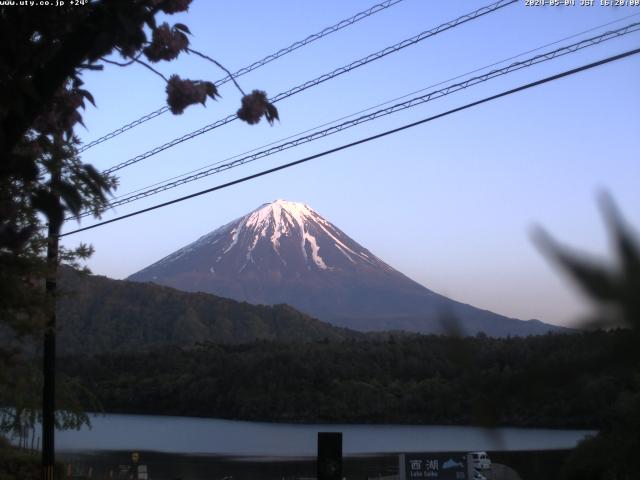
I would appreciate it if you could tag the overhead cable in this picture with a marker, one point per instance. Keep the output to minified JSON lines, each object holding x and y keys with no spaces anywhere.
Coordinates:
{"x":377,"y":114}
{"x":363,"y":140}
{"x":359,"y":112}
{"x":269,"y":58}
{"x":323,"y":78}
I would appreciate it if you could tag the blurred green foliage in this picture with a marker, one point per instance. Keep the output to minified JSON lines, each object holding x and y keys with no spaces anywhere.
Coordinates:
{"x":614,"y":290}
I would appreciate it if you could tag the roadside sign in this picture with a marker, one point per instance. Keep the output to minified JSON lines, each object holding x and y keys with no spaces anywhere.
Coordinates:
{"x":142,"y":472}
{"x":434,"y":466}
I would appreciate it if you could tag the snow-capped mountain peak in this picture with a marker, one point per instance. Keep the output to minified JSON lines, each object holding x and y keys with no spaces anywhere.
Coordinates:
{"x":279,"y":217}
{"x":286,"y":252}
{"x":276,"y":238}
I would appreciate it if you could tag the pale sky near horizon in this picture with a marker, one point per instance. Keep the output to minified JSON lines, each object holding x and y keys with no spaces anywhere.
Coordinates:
{"x":450,"y":203}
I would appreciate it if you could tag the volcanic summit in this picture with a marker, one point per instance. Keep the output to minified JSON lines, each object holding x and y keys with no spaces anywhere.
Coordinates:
{"x":285,"y":252}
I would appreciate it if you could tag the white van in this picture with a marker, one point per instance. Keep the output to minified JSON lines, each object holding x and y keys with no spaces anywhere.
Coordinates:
{"x":480,"y":460}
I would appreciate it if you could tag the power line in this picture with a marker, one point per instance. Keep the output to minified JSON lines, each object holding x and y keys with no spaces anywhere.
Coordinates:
{"x":365,"y":140}
{"x":379,"y":113}
{"x":394,"y":48}
{"x":344,"y":117}
{"x":323,"y":78}
{"x":269,"y":58}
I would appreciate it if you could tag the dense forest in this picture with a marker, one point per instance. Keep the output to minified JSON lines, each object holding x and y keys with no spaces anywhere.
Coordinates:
{"x":97,"y":314}
{"x":552,"y":381}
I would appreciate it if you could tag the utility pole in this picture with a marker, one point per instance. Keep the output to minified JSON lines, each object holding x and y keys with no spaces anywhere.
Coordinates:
{"x":49,"y":353}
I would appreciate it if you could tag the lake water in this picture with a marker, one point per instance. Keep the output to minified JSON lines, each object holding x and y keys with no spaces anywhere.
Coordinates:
{"x":224,"y":437}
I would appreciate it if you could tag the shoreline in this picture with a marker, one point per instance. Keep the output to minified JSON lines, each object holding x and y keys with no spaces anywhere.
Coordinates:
{"x":166,"y":466}
{"x":189,"y":435}
{"x":347,"y":422}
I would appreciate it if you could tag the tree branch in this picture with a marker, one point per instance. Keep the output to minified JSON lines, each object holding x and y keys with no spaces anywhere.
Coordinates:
{"x":219,"y":65}
{"x":144,"y":64}
{"x":122,"y":64}
{"x":88,"y":66}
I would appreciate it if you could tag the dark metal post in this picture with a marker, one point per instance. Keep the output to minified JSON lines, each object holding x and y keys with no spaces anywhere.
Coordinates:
{"x":49,"y":363}
{"x":49,"y":353}
{"x":329,"y":463}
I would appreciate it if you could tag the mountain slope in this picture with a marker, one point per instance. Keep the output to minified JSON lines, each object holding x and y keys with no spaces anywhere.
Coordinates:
{"x":285,"y":252}
{"x":98,"y":314}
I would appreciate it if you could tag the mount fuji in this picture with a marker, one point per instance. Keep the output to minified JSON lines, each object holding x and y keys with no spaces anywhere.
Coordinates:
{"x":285,"y":252}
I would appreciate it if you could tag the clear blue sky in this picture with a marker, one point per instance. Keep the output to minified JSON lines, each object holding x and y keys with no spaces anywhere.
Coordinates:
{"x":451,"y":203}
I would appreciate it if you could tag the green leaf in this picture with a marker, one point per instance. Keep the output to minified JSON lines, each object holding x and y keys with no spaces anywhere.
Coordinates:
{"x":86,"y":94}
{"x":596,"y":280}
{"x":151,"y":22}
{"x":182,"y":27}
{"x":71,"y":196}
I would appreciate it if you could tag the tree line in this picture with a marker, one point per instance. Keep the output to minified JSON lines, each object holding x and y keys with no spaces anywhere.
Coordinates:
{"x":563,"y":381}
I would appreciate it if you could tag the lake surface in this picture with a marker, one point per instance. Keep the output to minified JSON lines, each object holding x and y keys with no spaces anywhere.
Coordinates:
{"x":254,"y":439}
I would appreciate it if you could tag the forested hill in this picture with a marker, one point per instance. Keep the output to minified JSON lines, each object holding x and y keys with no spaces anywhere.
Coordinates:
{"x":97,"y":314}
{"x":547,"y":381}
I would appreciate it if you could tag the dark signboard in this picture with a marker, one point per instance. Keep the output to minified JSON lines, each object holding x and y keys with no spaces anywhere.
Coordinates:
{"x":434,"y":466}
{"x":329,"y":456}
